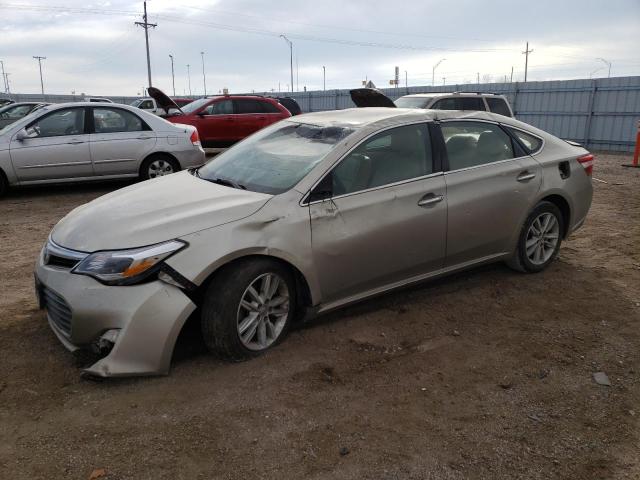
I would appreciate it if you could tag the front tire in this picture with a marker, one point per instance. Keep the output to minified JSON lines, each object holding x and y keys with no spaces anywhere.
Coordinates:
{"x":539,"y":240}
{"x":4,"y":184}
{"x":248,"y":308}
{"x":158,"y":165}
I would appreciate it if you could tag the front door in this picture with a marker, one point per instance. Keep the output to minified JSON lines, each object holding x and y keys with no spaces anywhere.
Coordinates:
{"x":216,"y":124}
{"x":385,"y":220}
{"x":58,"y":149}
{"x":491,"y":185}
{"x":119,"y":142}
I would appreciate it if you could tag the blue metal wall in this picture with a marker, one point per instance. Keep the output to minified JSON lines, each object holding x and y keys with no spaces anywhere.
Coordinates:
{"x":601,"y":113}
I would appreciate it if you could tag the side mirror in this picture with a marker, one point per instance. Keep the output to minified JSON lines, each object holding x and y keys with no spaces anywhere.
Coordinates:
{"x":323,"y":191}
{"x":25,"y":133}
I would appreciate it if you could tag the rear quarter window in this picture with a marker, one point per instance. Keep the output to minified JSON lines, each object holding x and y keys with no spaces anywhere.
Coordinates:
{"x":531,"y":143}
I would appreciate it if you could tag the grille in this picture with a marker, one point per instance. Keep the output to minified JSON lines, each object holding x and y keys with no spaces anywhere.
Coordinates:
{"x":58,"y":310}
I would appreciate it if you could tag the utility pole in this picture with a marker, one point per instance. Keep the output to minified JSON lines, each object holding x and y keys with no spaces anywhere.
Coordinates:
{"x":406,"y":80}
{"x":444,"y":80}
{"x":433,"y":71}
{"x":297,"y":75}
{"x":608,"y":64}
{"x":146,"y":26}
{"x":526,"y":60}
{"x":511,"y":79}
{"x":40,"y":65}
{"x":204,"y":77}
{"x":324,"y":77}
{"x":173,"y":77}
{"x":4,"y":77}
{"x":478,"y":80}
{"x":189,"y":78}
{"x":290,"y":43}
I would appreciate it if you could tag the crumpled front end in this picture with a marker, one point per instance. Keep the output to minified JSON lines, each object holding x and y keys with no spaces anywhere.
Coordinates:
{"x":137,"y":325}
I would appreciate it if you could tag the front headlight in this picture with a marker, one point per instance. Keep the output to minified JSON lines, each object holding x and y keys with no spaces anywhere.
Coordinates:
{"x":126,"y":267}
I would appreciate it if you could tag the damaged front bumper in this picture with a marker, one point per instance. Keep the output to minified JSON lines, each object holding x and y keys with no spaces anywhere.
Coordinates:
{"x":138,"y":325}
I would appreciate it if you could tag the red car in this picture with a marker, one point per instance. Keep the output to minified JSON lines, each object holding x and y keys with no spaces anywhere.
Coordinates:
{"x":224,"y":120}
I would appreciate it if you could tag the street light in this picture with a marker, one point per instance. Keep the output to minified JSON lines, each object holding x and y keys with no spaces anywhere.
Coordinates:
{"x":173,"y":77}
{"x":204,"y":78}
{"x":324,"y":77}
{"x":607,"y":63}
{"x":189,"y":78}
{"x":433,"y":71}
{"x":291,"y":57}
{"x":595,"y":71}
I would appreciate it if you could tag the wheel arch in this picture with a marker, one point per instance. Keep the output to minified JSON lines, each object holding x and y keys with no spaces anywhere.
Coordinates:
{"x":564,"y":207}
{"x":303,"y":290}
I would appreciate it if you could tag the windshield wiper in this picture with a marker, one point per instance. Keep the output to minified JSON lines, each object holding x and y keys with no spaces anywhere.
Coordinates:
{"x":226,"y":182}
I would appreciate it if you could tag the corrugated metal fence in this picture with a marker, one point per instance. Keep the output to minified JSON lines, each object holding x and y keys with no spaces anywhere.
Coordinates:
{"x":601,"y":113}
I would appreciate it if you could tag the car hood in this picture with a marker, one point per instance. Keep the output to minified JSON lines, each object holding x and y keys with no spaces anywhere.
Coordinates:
{"x":163,"y":100}
{"x":370,"y":97}
{"x":154,"y":211}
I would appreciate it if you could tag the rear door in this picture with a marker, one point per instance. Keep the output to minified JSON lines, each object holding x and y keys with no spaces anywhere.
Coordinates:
{"x":59,"y":147}
{"x":120,"y":140}
{"x":491,"y":185}
{"x":384,"y":219}
{"x":250,"y":116}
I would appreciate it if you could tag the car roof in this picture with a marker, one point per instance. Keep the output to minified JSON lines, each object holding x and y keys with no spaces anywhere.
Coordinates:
{"x":444,"y":94}
{"x":371,"y":116}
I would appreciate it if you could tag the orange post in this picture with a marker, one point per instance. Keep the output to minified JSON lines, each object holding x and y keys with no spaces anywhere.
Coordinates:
{"x":636,"y":153}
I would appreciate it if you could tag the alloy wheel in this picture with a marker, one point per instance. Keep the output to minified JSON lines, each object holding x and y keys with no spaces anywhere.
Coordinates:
{"x":542,"y":238}
{"x":263,"y":311}
{"x":160,"y":168}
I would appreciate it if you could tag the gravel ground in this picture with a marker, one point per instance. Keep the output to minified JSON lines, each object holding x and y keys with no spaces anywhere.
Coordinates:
{"x":485,"y":374}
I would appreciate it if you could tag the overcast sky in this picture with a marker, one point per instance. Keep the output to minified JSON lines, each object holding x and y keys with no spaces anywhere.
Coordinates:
{"x":95,"y":48}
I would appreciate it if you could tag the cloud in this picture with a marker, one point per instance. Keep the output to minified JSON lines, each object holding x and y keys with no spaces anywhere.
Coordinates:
{"x":96,"y":48}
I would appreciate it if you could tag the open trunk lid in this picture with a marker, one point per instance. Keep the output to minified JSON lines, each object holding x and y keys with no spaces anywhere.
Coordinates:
{"x":370,"y":97}
{"x":163,"y":100}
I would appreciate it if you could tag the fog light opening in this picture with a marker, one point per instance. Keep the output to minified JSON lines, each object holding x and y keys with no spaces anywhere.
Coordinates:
{"x":105,"y":343}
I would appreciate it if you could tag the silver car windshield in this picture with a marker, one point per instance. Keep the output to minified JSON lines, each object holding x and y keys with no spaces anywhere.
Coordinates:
{"x":412,"y":102}
{"x":274,"y":159}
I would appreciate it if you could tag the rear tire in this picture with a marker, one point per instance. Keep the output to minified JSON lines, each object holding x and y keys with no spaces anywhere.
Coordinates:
{"x":539,"y":240}
{"x":158,"y":165}
{"x":4,"y":184}
{"x":248,"y":308}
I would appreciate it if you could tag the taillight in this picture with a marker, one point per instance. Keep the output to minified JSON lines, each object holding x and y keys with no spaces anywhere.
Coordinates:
{"x":587,"y":163}
{"x":195,"y":138}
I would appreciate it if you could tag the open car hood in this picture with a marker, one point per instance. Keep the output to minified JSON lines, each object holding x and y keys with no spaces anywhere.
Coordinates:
{"x":370,"y":97}
{"x":163,"y":100}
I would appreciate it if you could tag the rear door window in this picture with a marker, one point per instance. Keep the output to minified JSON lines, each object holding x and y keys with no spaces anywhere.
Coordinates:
{"x":247,"y":105}
{"x":472,"y":103}
{"x":499,"y":106}
{"x":268,"y":107}
{"x":451,"y":103}
{"x":470,"y":144}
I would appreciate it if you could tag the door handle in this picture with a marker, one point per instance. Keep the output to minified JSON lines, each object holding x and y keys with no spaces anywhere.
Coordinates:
{"x":430,"y":199}
{"x":75,"y":142}
{"x":525,"y":177}
{"x":144,"y":138}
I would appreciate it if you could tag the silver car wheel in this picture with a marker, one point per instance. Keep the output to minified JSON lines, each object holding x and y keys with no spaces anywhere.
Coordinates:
{"x":263,"y":311}
{"x":160,"y":168}
{"x":542,"y":238}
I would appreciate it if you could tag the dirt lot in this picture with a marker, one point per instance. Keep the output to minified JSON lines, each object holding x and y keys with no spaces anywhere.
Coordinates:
{"x":487,"y":374}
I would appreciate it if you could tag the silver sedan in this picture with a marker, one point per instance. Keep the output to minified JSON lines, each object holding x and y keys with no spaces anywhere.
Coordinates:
{"x":310,"y":214}
{"x":92,"y":141}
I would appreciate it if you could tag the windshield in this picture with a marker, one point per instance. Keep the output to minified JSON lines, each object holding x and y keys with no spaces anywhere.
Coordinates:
{"x":276,"y":158}
{"x":195,"y":105}
{"x":135,"y":103}
{"x":412,"y":102}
